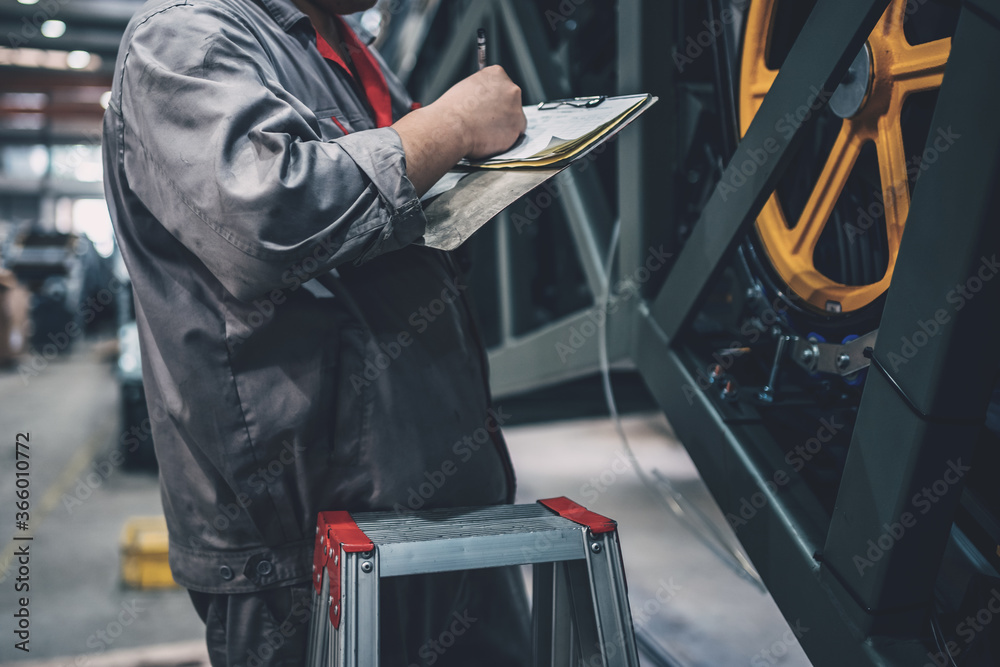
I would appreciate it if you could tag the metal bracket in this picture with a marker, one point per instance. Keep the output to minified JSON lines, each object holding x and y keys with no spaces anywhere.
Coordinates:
{"x":336,"y":534}
{"x":835,"y":358}
{"x":767,"y":394}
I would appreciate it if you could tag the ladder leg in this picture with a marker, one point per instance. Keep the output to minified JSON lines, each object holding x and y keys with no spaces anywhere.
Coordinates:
{"x":542,"y":613}
{"x":586,"y":643}
{"x":552,"y":626}
{"x":556,"y":637}
{"x":319,"y":625}
{"x":616,"y":636}
{"x":358,"y":635}
{"x":367,"y":608}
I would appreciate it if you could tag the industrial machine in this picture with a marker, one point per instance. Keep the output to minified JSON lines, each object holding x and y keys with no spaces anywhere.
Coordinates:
{"x":833,"y":378}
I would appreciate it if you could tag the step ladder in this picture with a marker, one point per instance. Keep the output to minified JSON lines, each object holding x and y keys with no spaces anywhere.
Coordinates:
{"x":580,"y":610}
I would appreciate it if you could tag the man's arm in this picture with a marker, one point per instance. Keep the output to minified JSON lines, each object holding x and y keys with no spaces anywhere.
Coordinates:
{"x":478,"y":117}
{"x":232,"y":168}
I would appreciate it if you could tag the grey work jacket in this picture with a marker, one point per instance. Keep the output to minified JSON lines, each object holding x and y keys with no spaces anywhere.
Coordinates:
{"x":231,"y":188}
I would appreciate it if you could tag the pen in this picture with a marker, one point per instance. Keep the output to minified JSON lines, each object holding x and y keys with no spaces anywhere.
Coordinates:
{"x":481,"y":47}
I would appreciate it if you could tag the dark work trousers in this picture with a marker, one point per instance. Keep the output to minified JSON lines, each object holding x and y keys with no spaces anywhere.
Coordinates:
{"x":450,"y":619}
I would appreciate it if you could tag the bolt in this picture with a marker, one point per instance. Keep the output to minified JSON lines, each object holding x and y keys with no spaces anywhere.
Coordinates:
{"x":322,"y":538}
{"x":843,"y":361}
{"x":336,"y":559}
{"x":729,"y":390}
{"x":336,"y":608}
{"x":715,"y":373}
{"x":595,"y":547}
{"x":810,"y":357}
{"x":766,"y":395}
{"x":366,"y":566}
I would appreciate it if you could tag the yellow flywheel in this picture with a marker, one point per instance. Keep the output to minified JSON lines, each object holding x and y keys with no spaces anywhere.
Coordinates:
{"x":870,"y":101}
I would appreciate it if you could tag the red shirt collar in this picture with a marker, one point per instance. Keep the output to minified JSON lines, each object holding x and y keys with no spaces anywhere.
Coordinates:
{"x":372,"y":79}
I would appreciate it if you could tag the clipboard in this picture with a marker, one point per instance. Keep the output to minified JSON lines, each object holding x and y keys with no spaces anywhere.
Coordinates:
{"x":457,"y":214}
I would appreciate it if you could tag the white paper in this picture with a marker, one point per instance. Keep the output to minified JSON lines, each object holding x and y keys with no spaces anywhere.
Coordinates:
{"x":563,"y":124}
{"x":446,"y":182}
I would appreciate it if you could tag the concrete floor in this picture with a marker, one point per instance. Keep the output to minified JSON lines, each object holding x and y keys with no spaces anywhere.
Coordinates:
{"x":696,"y":607}
{"x":692,"y":603}
{"x":79,"y":504}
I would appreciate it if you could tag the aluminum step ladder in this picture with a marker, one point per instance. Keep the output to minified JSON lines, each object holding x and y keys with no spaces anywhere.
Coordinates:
{"x":580,"y":609}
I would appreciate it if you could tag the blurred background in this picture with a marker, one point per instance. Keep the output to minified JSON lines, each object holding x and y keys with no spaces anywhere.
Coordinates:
{"x":542,"y":274}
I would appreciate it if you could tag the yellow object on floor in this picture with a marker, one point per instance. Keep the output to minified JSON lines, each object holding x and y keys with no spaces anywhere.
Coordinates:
{"x":143,"y":546}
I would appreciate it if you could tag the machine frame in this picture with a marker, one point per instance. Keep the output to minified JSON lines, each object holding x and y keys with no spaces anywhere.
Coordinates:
{"x":922,"y":406}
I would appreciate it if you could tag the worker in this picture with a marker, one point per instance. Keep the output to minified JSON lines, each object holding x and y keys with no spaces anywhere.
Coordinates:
{"x":300,"y":351}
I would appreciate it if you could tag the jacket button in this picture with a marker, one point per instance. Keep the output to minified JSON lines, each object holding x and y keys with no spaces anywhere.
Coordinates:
{"x":226,"y":572}
{"x":264,"y":568}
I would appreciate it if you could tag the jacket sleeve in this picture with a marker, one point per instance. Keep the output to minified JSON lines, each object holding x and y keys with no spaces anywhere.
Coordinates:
{"x":234,"y":167}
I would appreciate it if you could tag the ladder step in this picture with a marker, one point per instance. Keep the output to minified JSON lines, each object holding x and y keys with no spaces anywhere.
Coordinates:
{"x":465,"y":539}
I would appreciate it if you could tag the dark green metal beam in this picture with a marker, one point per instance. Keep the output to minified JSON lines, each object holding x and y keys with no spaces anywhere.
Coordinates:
{"x":936,"y":357}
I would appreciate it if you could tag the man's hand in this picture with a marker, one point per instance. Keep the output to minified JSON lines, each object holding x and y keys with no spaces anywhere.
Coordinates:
{"x":488,"y":107}
{"x":477,"y":117}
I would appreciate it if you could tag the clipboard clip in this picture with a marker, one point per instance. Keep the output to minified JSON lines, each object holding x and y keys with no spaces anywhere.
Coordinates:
{"x":579,"y":102}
